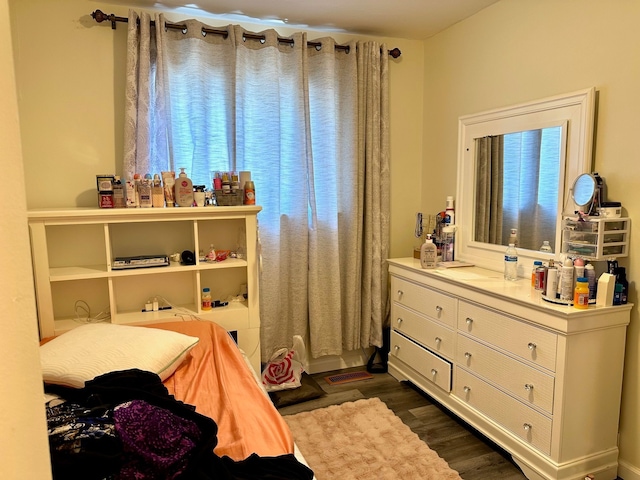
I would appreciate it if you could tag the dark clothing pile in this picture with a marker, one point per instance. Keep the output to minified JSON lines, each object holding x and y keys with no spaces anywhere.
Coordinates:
{"x":125,"y":425}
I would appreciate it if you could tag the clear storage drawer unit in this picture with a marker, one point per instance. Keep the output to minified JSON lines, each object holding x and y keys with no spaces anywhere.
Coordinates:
{"x":596,"y":238}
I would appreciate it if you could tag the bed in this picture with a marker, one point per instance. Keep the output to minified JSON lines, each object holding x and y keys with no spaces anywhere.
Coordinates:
{"x":240,"y":434}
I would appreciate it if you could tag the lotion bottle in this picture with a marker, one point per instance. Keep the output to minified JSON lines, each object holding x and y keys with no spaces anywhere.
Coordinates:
{"x":184,"y":190}
{"x":428,"y":253}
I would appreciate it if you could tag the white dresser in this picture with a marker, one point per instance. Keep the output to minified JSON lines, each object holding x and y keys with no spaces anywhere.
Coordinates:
{"x":541,"y":380}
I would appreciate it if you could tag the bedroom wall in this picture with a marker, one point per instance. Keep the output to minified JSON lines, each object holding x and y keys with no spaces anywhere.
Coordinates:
{"x":23,"y":433}
{"x":516,"y":51}
{"x":70,"y":73}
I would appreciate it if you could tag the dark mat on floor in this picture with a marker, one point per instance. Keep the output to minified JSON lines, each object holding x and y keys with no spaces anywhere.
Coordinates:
{"x":308,"y":390}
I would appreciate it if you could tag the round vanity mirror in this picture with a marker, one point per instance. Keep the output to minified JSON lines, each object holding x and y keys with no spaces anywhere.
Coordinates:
{"x":584,"y":189}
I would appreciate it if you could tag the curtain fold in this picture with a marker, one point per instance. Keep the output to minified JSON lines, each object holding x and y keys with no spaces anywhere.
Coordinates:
{"x":311,"y":125}
{"x":489,"y":193}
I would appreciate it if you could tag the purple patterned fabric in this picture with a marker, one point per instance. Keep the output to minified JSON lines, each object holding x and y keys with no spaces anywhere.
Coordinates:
{"x":155,"y":441}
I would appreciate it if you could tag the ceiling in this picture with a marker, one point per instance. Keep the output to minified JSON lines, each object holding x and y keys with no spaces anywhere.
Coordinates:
{"x":411,"y":19}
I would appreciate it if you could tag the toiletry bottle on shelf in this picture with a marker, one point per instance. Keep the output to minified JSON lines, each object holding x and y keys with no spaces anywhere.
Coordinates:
{"x":449,"y":211}
{"x":249,"y":193}
{"x":136,"y":182}
{"x":144,"y":192}
{"x":130,"y":193}
{"x":578,"y":268}
{"x":511,"y":263}
{"x":184,"y":190}
{"x":211,"y":255}
{"x":157,"y":192}
{"x":206,"y":299}
{"x":546,"y":247}
{"x":567,"y":280}
{"x":621,"y":279}
{"x":513,"y":237}
{"x":448,"y":243}
{"x":551,"y":282}
{"x":119,"y":198}
{"x":581,"y":293}
{"x":428,"y":253}
{"x":536,"y":264}
{"x":590,"y":273}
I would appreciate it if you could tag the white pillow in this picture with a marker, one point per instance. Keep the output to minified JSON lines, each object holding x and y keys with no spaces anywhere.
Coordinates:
{"x":95,"y":349}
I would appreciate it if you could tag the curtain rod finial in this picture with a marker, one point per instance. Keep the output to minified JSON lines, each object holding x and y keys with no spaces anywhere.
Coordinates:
{"x":99,"y":16}
{"x":395,"y":53}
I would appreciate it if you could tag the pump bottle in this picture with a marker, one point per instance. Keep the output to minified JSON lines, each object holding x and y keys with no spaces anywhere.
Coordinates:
{"x":428,"y":253}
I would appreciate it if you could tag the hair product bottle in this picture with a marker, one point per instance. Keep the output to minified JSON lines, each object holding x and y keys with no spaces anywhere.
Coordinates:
{"x":157,"y":193}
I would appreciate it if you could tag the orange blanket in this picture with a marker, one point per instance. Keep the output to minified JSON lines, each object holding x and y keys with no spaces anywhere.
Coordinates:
{"x":217,"y":381}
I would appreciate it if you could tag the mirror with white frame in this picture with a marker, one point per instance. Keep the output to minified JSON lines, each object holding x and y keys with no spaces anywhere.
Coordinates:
{"x":516,"y":168}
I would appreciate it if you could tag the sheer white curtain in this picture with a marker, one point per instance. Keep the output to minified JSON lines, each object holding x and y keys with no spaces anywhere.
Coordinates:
{"x":311,"y":126}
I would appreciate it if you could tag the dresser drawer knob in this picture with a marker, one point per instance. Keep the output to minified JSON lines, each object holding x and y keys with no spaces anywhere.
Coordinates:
{"x":438,"y":340}
{"x":528,"y":387}
{"x":527,"y":427}
{"x":400,"y":294}
{"x":531,"y":345}
{"x":467,"y":355}
{"x":469,"y":320}
{"x":399,"y":320}
{"x":438,"y":309}
{"x":396,"y":347}
{"x":466,"y":389}
{"x":434,"y":372}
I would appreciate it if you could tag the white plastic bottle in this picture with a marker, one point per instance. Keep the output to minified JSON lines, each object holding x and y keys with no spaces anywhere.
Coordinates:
{"x":428,"y":253}
{"x":449,"y":210}
{"x":184,"y":190}
{"x":566,"y":281}
{"x":511,"y":263}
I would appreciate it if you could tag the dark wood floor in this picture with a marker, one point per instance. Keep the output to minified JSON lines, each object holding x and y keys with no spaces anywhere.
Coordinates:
{"x":467,"y":451}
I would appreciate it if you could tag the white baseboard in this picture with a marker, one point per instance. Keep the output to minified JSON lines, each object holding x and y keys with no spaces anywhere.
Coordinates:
{"x":626,"y":471}
{"x":353,"y":358}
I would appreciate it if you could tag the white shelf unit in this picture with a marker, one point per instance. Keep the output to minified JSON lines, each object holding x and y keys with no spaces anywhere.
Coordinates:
{"x":73,"y":251}
{"x":596,"y":238}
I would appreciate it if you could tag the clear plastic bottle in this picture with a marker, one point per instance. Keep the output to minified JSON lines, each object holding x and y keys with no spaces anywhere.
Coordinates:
{"x":546,"y":247}
{"x":511,"y":263}
{"x":513,"y":237}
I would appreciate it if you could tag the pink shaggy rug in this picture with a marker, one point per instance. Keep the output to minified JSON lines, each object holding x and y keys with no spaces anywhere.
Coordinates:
{"x":364,"y":440}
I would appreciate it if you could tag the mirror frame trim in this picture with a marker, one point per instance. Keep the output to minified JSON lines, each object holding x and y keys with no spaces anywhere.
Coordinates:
{"x":577,"y":109}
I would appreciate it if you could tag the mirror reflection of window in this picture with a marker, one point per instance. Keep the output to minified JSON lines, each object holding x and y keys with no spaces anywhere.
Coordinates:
{"x":518,"y":175}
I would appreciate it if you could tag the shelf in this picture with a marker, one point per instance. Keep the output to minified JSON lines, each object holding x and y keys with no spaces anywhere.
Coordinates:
{"x":73,"y":250}
{"x":62,"y":274}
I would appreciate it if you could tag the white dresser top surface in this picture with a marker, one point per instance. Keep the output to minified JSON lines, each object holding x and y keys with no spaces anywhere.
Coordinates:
{"x":492,"y":283}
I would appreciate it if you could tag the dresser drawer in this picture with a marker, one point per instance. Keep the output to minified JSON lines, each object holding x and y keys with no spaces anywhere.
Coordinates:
{"x":427,"y":364}
{"x":522,"y":339}
{"x":523,"y":381}
{"x":433,"y":335}
{"x":429,"y":302}
{"x":523,"y":421}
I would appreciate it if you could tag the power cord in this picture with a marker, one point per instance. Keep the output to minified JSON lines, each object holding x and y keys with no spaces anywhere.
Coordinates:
{"x":83,"y":313}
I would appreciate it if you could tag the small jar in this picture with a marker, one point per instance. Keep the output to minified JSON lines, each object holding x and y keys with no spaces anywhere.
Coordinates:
{"x":206,"y":299}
